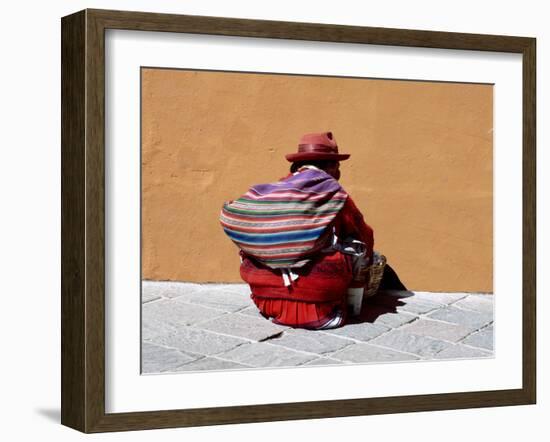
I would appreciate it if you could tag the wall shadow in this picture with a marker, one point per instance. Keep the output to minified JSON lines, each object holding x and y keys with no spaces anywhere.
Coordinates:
{"x":51,"y":414}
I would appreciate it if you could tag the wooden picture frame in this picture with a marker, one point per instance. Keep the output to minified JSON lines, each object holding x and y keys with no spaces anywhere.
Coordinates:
{"x":83,"y":220}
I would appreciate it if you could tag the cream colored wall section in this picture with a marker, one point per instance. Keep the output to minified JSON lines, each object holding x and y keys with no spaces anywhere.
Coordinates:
{"x":420,"y":167}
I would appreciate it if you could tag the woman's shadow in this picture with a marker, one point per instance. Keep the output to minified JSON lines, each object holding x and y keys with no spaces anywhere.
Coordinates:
{"x":386,"y":300}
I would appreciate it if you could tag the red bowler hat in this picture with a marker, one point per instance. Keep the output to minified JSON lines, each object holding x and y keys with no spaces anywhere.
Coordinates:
{"x":317,"y":146}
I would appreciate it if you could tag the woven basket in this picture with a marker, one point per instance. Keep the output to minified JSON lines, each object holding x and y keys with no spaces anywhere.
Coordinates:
{"x":375,"y":272}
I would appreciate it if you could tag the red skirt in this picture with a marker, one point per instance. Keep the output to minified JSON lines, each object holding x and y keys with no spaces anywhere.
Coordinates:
{"x":313,"y":300}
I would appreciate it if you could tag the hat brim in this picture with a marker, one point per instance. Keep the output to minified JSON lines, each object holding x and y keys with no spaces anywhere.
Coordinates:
{"x":302,"y":156}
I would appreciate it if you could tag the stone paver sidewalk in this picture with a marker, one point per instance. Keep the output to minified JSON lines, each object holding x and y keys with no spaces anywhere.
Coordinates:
{"x":191,"y":327}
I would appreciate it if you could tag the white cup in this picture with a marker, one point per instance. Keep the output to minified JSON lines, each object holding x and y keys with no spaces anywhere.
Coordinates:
{"x":355,"y":299}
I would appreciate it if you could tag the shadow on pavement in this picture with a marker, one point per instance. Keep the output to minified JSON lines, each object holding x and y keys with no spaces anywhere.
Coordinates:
{"x":387,"y":299}
{"x":378,"y":305}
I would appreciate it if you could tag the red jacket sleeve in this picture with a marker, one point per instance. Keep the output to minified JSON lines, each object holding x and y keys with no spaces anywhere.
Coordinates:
{"x":350,"y":222}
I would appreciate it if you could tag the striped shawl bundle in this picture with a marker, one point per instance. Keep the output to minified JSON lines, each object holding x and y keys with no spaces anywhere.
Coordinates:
{"x":282,"y":224}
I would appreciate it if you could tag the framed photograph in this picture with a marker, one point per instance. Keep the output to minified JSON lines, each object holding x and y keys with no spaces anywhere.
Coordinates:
{"x":267,"y":221}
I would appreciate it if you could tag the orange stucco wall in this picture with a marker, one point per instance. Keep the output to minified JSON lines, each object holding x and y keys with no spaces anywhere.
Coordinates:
{"x":420,"y":167}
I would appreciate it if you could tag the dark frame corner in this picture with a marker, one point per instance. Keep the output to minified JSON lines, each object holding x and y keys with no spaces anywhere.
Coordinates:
{"x":83,"y":214}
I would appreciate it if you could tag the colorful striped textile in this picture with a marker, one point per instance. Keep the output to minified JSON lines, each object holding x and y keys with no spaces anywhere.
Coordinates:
{"x":281,"y":223}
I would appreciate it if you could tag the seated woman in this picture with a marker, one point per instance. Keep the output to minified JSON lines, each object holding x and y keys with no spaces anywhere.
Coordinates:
{"x":305,"y":248}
